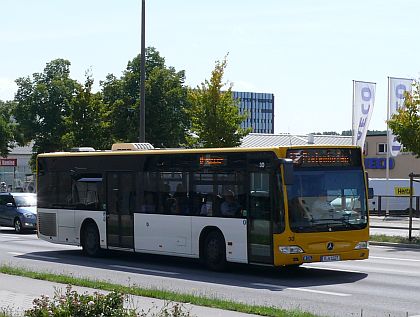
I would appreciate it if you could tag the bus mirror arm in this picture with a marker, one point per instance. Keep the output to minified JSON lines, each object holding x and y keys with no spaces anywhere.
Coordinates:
{"x":288,"y":173}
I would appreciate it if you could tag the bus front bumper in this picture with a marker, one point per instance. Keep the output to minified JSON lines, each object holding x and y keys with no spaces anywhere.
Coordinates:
{"x":301,"y":258}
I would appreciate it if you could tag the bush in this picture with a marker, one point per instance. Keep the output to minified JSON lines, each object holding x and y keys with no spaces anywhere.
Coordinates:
{"x":72,"y":304}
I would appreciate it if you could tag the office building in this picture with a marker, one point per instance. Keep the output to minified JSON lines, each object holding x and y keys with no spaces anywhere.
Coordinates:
{"x":260,"y":109}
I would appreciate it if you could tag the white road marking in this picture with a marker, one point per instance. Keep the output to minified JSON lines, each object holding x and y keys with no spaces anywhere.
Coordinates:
{"x":40,"y":256}
{"x":396,"y":259}
{"x":16,"y":253}
{"x":143,"y":270}
{"x":301,"y":289}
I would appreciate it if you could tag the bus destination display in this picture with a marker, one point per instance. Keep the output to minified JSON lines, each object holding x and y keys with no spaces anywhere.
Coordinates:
{"x":212,"y":160}
{"x":323,"y":157}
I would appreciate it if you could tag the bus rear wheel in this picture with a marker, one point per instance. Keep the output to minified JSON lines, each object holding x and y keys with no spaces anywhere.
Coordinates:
{"x":214,"y":254}
{"x":91,"y":245}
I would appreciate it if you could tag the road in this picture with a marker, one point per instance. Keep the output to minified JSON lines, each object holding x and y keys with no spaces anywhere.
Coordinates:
{"x":387,"y":284}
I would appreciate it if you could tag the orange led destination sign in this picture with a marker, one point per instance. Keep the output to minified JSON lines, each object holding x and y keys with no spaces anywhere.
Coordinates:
{"x":323,"y":157}
{"x":208,"y":160}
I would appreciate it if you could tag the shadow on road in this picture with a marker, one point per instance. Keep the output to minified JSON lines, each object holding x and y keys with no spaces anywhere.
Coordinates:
{"x":124,"y":264}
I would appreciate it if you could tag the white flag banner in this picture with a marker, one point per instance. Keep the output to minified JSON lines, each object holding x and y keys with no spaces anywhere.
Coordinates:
{"x":363,"y":103}
{"x":397,"y":88}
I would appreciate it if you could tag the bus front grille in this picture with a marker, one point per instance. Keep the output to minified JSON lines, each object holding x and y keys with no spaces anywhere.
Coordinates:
{"x":47,"y":223}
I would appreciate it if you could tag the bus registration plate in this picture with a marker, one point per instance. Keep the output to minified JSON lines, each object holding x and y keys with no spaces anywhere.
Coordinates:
{"x":330,"y":258}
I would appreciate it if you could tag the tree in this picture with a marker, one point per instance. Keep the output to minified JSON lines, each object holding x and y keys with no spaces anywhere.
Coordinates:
{"x":86,"y":120}
{"x":214,"y":114}
{"x":42,"y":102}
{"x":7,"y":128}
{"x":166,"y":99}
{"x":405,"y":124}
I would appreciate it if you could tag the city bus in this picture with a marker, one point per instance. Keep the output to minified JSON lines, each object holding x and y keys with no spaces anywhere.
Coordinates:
{"x":173,"y":202}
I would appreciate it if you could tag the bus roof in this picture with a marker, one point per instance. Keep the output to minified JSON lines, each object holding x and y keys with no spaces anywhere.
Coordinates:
{"x":183,"y":150}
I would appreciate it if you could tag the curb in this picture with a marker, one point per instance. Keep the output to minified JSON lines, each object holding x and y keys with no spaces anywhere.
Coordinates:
{"x":395,"y":245}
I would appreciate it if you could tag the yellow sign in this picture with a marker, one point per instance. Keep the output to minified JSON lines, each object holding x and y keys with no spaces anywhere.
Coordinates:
{"x":402,"y":191}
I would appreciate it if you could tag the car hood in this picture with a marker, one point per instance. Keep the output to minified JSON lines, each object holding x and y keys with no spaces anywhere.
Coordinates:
{"x":24,"y":210}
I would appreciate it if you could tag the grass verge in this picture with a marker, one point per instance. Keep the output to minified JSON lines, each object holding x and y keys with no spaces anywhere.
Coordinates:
{"x":394,"y":239}
{"x":155,"y":293}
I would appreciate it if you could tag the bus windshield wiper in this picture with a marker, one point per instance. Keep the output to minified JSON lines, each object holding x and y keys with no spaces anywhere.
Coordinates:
{"x":342,"y":220}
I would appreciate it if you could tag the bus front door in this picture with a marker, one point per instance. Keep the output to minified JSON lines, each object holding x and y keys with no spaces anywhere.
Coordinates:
{"x":121,"y":198}
{"x":259,"y":220}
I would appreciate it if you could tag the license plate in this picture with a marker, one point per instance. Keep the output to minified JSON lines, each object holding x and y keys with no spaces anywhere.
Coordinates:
{"x":330,"y":258}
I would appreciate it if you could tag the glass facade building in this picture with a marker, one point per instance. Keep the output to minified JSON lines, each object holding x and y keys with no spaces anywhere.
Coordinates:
{"x":260,"y":109}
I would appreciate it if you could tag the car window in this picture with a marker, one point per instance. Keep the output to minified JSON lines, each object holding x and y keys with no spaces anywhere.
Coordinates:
{"x":25,"y":201}
{"x":2,"y":201}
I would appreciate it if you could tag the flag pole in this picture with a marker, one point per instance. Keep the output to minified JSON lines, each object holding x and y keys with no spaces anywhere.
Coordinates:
{"x":352,"y":117}
{"x":388,"y":149}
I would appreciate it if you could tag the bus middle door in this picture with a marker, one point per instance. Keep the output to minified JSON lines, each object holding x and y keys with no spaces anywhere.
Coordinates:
{"x":121,"y":197}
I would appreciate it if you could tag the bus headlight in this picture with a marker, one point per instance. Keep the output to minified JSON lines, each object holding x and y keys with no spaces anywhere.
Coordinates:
{"x":290,"y":249}
{"x":362,"y":245}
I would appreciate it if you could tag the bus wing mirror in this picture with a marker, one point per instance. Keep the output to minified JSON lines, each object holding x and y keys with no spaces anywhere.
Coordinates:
{"x":288,"y":173}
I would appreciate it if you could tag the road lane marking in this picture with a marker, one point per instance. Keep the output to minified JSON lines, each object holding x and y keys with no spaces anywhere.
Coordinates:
{"x":396,"y":259}
{"x":33,"y":255}
{"x":16,"y":253}
{"x":44,"y":257}
{"x":142,"y":270}
{"x":301,"y":289}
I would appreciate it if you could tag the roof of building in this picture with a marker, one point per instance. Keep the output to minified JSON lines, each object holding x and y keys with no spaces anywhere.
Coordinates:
{"x":22,"y":150}
{"x":285,"y":139}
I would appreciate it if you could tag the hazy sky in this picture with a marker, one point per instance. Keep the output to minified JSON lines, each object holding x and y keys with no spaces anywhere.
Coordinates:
{"x":306,"y":52}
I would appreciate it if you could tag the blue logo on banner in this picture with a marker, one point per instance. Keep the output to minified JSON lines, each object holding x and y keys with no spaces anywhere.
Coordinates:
{"x":379,"y":163}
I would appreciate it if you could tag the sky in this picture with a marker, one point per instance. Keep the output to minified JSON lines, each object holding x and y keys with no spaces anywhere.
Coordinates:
{"x":306,"y":52}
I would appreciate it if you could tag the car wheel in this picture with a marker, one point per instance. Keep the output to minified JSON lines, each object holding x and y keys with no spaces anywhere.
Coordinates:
{"x":215,"y":251}
{"x":91,"y":246}
{"x":18,"y":225}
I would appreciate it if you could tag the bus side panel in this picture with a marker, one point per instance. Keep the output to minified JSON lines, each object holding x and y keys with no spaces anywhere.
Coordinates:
{"x":164,"y":234}
{"x":64,"y":225}
{"x":234,"y":231}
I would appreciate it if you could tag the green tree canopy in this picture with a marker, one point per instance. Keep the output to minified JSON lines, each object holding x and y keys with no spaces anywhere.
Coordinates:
{"x":166,"y":99}
{"x":7,"y":128}
{"x":86,"y":121}
{"x":214,"y":113}
{"x":405,"y":124}
{"x":42,"y":102}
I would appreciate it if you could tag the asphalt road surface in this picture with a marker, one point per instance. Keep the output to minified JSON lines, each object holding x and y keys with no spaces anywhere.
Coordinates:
{"x":387,"y":284}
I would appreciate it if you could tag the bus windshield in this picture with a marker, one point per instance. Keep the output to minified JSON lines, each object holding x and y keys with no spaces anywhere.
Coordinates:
{"x":327,"y":200}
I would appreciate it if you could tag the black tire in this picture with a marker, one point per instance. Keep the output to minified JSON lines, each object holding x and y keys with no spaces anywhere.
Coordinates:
{"x":214,"y":253}
{"x":91,"y":244}
{"x":18,"y":225}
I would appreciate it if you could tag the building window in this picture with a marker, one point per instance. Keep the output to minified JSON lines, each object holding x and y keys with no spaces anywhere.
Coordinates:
{"x":382,"y":148}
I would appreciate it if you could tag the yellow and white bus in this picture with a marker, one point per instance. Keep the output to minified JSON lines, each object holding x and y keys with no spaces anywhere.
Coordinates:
{"x":244,"y":205}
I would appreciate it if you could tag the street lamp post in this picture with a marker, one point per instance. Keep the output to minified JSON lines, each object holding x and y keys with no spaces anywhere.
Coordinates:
{"x":142,"y":133}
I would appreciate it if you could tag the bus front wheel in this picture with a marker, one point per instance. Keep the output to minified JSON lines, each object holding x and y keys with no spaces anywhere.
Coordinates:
{"x":91,"y":245}
{"x":214,"y":255}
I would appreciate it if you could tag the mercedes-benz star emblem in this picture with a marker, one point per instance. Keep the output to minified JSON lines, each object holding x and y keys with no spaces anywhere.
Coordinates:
{"x":330,"y":246}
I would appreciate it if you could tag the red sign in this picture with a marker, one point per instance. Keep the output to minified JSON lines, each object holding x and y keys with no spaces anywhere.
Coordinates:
{"x":8,"y":162}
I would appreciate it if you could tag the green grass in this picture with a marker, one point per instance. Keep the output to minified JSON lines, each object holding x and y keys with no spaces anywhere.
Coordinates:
{"x":155,"y":293}
{"x":394,"y":239}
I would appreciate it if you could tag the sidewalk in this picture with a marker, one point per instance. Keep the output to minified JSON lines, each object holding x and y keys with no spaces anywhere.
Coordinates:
{"x":17,"y":294}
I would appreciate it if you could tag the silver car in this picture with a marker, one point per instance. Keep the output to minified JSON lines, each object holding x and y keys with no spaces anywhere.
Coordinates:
{"x":18,"y":210}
